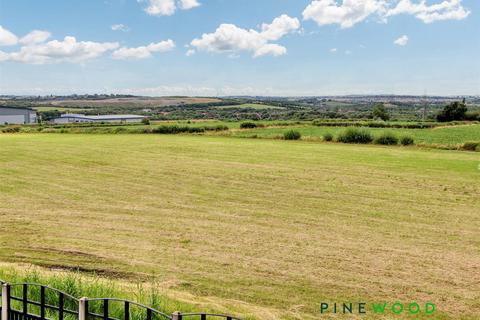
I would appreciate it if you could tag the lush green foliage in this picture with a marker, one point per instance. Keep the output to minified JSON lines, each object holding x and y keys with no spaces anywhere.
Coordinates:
{"x":407,"y":141}
{"x":454,"y":111}
{"x":11,"y":129}
{"x":383,"y":124}
{"x":355,"y":135}
{"x":248,"y":125}
{"x":328,"y":136}
{"x":292,"y":135}
{"x":387,"y":138}
{"x":81,"y":285}
{"x":380,"y":112}
{"x":471,"y":145}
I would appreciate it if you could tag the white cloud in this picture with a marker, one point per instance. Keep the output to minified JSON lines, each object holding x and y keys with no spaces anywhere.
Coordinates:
{"x":168,"y":7}
{"x":143,"y":51}
{"x":333,"y":50}
{"x":120,"y":27}
{"x":36,"y":36}
{"x":68,"y":50}
{"x":230,"y":39}
{"x":190,"y":52}
{"x":351,"y":12}
{"x":189,"y":4}
{"x":446,"y":10}
{"x":7,"y":38}
{"x":402,"y":41}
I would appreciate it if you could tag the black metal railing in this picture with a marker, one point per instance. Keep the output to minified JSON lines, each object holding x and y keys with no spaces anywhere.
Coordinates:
{"x":204,"y":316}
{"x":143,"y":312}
{"x":31,"y":301}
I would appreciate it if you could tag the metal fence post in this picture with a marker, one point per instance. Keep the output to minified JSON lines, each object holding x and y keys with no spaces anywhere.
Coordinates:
{"x":82,"y":309}
{"x":176,"y":316}
{"x":5,"y":301}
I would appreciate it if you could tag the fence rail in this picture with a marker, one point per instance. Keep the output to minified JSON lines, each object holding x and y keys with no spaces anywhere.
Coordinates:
{"x":53,"y":304}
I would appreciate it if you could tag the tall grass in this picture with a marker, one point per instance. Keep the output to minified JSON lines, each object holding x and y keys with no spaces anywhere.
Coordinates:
{"x":163,"y":129}
{"x":79,"y":285}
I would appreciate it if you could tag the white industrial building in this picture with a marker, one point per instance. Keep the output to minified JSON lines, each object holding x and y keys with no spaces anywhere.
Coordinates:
{"x":12,"y":115}
{"x":77,"y":118}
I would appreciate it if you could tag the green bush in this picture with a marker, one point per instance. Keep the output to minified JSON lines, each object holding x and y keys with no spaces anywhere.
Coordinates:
{"x":470,"y":145}
{"x":119,"y":130}
{"x":328,"y":137}
{"x":11,"y":129}
{"x":145,"y":121}
{"x":248,"y":125}
{"x":355,"y":135}
{"x":174,"y":129}
{"x":387,"y":138}
{"x":407,"y":141}
{"x":292,"y":135}
{"x":219,"y":127}
{"x":49,"y":130}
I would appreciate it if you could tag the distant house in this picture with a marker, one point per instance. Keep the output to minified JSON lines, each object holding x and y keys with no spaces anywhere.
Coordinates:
{"x":11,"y":115}
{"x":77,"y":118}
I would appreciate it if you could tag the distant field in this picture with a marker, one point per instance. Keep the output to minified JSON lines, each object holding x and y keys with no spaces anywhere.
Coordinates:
{"x":254,"y":106}
{"x":442,"y":135}
{"x":137,"y":101}
{"x":61,"y":109}
{"x":338,"y":104}
{"x":274,"y":226}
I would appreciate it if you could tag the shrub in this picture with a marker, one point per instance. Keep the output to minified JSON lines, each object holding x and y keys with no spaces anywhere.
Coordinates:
{"x":119,"y":130}
{"x":406,"y":141}
{"x":470,"y":145}
{"x":248,"y":125}
{"x":355,"y":135}
{"x":472,"y":116}
{"x":328,"y":137}
{"x":49,"y":130}
{"x":145,"y":121}
{"x":388,"y":139}
{"x":217,"y":128}
{"x":11,"y":129}
{"x":292,"y":135}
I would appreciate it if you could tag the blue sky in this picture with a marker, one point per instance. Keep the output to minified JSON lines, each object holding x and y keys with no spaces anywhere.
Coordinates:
{"x":227,"y":47}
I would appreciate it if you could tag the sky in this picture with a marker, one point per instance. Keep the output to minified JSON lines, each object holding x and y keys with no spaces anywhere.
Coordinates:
{"x":240,"y":47}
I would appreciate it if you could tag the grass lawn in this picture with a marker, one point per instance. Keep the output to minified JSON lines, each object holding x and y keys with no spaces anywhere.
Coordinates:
{"x":451,"y":135}
{"x":276,"y":226}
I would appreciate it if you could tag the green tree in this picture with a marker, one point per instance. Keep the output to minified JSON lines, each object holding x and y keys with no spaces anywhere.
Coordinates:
{"x":454,"y":111}
{"x":380,"y":112}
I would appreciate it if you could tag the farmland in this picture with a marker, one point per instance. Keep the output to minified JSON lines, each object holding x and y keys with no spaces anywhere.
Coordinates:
{"x":254,"y":106}
{"x":447,"y":136}
{"x":139,"y":102}
{"x":273,"y":226}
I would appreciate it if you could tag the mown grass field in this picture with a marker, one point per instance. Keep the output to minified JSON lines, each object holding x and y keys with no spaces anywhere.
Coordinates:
{"x":448,"y":136}
{"x":275,"y":227}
